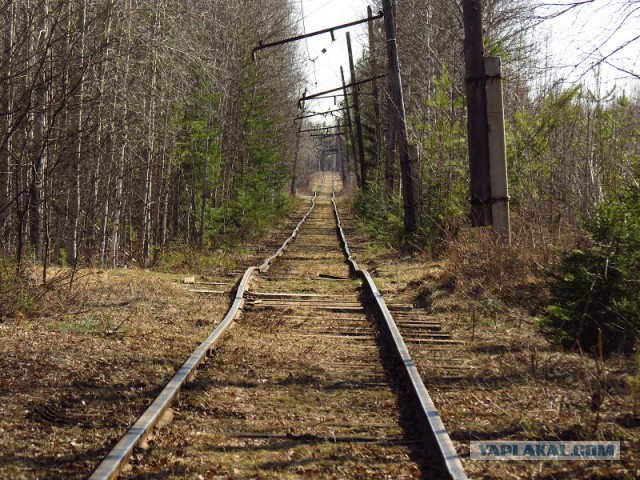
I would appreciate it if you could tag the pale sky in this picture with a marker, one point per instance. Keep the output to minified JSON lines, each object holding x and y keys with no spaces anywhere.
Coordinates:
{"x":581,"y":37}
{"x":577,"y":39}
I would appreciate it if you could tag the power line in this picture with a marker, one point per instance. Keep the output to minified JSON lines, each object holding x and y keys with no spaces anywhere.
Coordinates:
{"x":306,"y":42}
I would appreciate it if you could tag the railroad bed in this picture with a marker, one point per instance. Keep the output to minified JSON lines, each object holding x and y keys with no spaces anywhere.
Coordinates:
{"x":304,"y":384}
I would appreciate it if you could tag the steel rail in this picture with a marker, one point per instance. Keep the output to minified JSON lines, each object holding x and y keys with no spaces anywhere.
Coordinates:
{"x":119,"y":456}
{"x":436,"y":438}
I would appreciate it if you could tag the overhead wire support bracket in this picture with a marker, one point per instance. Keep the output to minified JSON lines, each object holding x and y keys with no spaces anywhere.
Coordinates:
{"x":315,"y":114}
{"x":262,"y":46}
{"x":352,"y":84}
{"x":335,"y":97}
{"x":320,"y":128}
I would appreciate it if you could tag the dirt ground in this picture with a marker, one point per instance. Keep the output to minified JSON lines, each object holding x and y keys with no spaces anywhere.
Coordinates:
{"x":73,"y":379}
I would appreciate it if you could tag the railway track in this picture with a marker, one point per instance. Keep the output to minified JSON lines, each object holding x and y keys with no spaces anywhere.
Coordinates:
{"x":314,"y":380}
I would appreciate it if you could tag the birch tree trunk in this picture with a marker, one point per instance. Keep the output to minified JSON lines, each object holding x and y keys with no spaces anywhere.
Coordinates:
{"x":96,"y":226}
{"x":124,"y":108}
{"x":150,"y":147}
{"x":39,"y":102}
{"x":205,"y":166}
{"x":6,"y":119}
{"x":77,"y":131}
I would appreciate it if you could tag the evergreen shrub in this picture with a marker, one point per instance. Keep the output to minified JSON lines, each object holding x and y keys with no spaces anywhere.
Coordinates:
{"x":597,"y":287}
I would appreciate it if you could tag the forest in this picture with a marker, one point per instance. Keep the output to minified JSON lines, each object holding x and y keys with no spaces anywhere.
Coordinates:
{"x":131,"y":129}
{"x":128,"y":126}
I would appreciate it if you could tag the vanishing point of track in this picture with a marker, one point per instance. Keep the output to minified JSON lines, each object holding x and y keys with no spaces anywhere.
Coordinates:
{"x":314,"y":380}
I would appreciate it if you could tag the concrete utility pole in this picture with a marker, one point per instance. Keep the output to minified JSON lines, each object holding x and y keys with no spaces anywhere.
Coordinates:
{"x":358,"y":120}
{"x":497,"y":152}
{"x":408,"y":165}
{"x":477,"y":128}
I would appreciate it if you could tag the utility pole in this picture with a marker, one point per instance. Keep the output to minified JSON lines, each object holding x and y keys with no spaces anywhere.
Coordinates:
{"x":477,"y":127}
{"x":294,"y":177}
{"x":344,"y":157}
{"x":408,"y":165}
{"x":376,"y":93}
{"x":390,"y":160}
{"x":331,"y":31}
{"x":497,"y":152}
{"x":350,"y":129}
{"x":358,"y":119}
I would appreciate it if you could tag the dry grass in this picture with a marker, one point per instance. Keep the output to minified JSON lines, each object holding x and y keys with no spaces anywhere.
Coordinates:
{"x":78,"y":370}
{"x":73,"y":382}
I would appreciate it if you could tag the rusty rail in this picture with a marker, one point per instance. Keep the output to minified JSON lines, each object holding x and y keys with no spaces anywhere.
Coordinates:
{"x":436,"y":437}
{"x":119,"y":456}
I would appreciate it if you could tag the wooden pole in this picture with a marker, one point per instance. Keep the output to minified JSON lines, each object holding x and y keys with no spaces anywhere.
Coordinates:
{"x":497,"y":151}
{"x":408,"y":165}
{"x":357,"y":118}
{"x":342,"y":152}
{"x":376,"y":92}
{"x":352,"y":138}
{"x":294,"y":177}
{"x":389,"y":174}
{"x":477,"y":128}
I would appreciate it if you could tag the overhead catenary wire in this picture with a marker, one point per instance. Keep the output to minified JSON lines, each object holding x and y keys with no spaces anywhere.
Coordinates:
{"x":327,"y":135}
{"x":306,"y":43}
{"x":324,"y":52}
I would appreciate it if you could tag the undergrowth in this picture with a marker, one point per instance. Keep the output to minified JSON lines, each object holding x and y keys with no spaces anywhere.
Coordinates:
{"x":222,"y":253}
{"x":18,"y":295}
{"x":494,"y":277}
{"x":380,"y":220}
{"x":182,"y":258}
{"x":25,"y":295}
{"x":595,"y":289}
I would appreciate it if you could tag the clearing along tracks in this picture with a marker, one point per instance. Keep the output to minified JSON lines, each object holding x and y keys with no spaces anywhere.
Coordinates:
{"x":299,"y":387}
